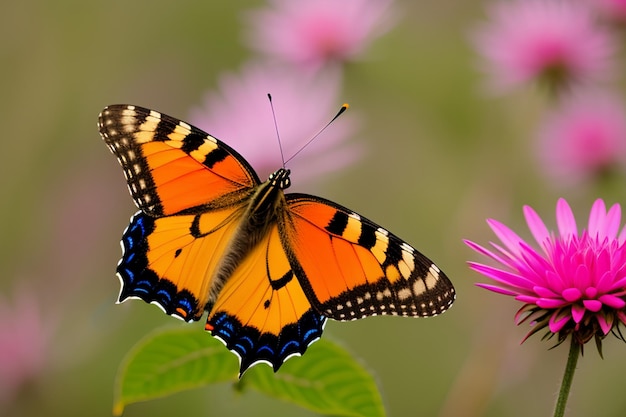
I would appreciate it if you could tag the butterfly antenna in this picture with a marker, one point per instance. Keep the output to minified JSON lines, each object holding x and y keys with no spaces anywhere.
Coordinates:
{"x":280,"y":144}
{"x":343,"y":108}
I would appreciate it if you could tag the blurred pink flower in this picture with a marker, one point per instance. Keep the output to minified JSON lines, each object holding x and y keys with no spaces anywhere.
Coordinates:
{"x":574,"y":284}
{"x":24,"y":344}
{"x":554,"y":41}
{"x":584,"y":139}
{"x":239,"y":114}
{"x":311,"y":33}
{"x":612,"y":10}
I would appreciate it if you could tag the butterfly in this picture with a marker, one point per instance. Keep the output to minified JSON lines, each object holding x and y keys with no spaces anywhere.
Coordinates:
{"x":268,"y":267}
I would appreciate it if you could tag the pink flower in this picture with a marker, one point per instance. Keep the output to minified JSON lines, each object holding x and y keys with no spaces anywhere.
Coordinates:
{"x":311,"y":33}
{"x":612,"y":10}
{"x":585,"y":138}
{"x":555,"y":41}
{"x":240,"y":115}
{"x":24,"y":343}
{"x":574,"y":283}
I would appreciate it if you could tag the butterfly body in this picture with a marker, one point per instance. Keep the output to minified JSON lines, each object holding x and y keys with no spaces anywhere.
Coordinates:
{"x":268,"y":267}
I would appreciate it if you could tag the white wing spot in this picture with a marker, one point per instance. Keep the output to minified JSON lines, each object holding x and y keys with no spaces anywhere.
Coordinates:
{"x":434,"y":270}
{"x":354,"y":216}
{"x":407,"y":247}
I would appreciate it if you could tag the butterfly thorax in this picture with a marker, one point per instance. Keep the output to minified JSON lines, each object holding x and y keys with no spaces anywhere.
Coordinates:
{"x":256,"y":220}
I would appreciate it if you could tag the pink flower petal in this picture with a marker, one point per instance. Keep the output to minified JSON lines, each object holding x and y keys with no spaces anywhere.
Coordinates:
{"x":556,"y":323}
{"x":486,"y":252}
{"x":571,"y":294}
{"x":550,"y":303}
{"x":529,"y":299}
{"x":496,"y":289}
{"x":591,"y":292}
{"x":618,"y":284}
{"x":565,"y":219}
{"x":612,"y":301}
{"x":604,"y":325}
{"x":580,"y":278}
{"x":613,"y":220}
{"x":510,"y":239}
{"x":578,"y":312}
{"x":544,"y":292}
{"x":603,"y":263}
{"x":536,"y":226}
{"x":536,"y":266}
{"x":509,"y":259}
{"x":596,"y":218}
{"x":504,"y":277}
{"x":592,"y":305}
{"x":556,"y":281}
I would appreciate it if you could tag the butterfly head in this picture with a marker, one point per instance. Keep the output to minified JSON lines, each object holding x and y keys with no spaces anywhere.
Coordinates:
{"x":280,"y":178}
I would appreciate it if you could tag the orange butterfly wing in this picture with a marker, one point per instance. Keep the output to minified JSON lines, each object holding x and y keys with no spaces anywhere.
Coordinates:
{"x":262,"y":313}
{"x":169,"y":261}
{"x":350,"y":267}
{"x":171,"y":166}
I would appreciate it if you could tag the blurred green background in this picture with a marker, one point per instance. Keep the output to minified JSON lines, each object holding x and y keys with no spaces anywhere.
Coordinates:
{"x":442,"y":156}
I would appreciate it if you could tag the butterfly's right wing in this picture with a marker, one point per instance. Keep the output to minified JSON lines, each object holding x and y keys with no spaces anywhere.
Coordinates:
{"x":171,"y":166}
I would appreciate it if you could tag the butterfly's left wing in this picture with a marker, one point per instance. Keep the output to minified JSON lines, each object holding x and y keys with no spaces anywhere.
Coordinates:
{"x":262,"y":314}
{"x":350,"y":267}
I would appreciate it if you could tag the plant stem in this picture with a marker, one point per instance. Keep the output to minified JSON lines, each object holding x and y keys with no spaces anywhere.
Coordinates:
{"x":568,"y":376}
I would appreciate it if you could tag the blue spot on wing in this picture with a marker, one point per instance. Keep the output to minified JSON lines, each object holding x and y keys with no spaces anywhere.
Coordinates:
{"x":253,"y":346}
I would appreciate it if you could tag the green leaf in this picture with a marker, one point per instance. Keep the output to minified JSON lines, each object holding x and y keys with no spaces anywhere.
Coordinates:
{"x":326,"y":379}
{"x":170,"y":361}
